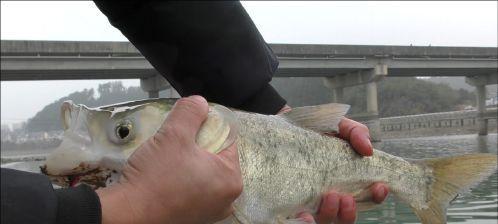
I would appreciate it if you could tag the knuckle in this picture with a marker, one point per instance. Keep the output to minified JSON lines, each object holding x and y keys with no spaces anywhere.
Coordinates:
{"x":169,"y":135}
{"x":234,"y":190}
{"x":167,"y":132}
{"x":237,"y":189}
{"x":363,"y":127}
{"x":166,"y":129}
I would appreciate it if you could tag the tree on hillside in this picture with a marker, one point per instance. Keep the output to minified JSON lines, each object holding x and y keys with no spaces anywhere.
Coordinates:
{"x":405,"y":96}
{"x":48,"y":119}
{"x":115,"y":92}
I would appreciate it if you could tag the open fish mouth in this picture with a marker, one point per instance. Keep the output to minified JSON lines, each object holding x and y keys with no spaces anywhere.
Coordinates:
{"x":95,"y":178}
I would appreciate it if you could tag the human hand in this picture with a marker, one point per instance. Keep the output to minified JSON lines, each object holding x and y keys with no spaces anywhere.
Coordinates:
{"x":170,"y":179}
{"x":341,"y":208}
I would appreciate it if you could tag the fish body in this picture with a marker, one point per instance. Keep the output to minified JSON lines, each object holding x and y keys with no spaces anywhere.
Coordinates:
{"x":287,"y":168}
{"x":286,"y":160}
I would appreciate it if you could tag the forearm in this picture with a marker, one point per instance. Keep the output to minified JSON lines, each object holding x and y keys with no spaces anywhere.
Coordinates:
{"x":209,"y":49}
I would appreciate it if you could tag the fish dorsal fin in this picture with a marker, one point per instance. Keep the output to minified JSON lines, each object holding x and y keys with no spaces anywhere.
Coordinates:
{"x":323,"y":118}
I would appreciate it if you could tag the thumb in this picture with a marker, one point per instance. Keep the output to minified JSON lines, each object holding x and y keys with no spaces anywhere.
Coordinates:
{"x":186,"y":117}
{"x":230,"y":155}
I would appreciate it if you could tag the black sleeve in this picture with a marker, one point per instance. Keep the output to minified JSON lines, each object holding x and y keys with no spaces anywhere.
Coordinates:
{"x":30,"y":198}
{"x":208,"y":48}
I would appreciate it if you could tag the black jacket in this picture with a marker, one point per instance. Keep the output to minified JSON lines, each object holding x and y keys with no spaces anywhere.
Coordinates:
{"x":29,"y":198}
{"x":210,"y":49}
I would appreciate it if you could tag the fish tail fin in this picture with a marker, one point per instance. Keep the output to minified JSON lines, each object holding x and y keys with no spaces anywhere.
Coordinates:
{"x":452,"y":175}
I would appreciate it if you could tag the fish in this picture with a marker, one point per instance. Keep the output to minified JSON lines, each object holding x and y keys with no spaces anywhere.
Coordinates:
{"x":287,"y":161}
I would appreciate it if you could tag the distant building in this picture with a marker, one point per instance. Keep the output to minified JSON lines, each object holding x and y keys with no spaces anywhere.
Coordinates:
{"x":492,"y":101}
{"x":18,"y":126}
{"x":6,"y":133}
{"x":5,"y":128}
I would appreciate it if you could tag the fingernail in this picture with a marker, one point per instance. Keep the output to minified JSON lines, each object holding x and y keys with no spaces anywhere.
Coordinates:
{"x":333,"y":200}
{"x":347,"y":204}
{"x":197,"y":98}
{"x":300,"y":213}
{"x":381,"y":191}
{"x":305,"y":217}
{"x":369,"y":144}
{"x":386,"y":191}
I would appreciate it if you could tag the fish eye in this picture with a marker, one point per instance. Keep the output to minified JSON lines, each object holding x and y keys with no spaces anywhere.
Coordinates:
{"x":123,"y":132}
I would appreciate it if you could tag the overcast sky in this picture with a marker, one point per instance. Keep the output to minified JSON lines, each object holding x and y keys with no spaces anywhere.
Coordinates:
{"x":374,"y":23}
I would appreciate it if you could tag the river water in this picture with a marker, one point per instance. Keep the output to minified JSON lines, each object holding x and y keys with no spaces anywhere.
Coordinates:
{"x":478,"y":206}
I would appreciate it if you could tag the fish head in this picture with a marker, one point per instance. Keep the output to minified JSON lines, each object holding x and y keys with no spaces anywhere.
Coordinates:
{"x":98,"y":141}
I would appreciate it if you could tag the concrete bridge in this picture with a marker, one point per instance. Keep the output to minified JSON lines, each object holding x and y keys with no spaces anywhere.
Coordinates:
{"x":340,"y":65}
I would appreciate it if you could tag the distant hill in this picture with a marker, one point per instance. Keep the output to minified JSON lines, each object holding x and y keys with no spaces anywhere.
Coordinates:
{"x":459,"y":83}
{"x":454,"y":82}
{"x":396,"y":95}
{"x":48,"y":119}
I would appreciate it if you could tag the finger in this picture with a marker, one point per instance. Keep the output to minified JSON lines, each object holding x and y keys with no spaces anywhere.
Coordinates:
{"x":329,"y":208}
{"x":187,"y":116}
{"x":347,"y":210}
{"x":230,"y":160}
{"x":230,"y":154}
{"x":306,"y":217}
{"x":284,"y":109}
{"x":379,"y":192}
{"x":376,"y":193}
{"x":357,"y":134}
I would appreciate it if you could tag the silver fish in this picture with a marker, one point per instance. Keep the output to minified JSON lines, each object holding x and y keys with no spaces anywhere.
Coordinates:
{"x":286,"y":160}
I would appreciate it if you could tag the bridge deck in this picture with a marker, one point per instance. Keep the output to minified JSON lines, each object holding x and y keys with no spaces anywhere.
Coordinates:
{"x":54,"y":60}
{"x":28,"y":47}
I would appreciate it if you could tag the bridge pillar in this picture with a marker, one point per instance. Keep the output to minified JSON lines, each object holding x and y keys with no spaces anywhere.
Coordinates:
{"x":153,"y":94}
{"x":152,"y":85}
{"x":480,"y":83}
{"x":372,"y":105}
{"x":338,"y":95}
{"x":481,"y":109}
{"x":373,"y":111}
{"x":368,"y":77}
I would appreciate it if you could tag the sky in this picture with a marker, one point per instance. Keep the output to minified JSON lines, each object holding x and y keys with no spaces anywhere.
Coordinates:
{"x":373,"y":23}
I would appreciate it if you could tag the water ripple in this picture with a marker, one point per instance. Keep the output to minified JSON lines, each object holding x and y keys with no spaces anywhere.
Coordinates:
{"x":478,"y":206}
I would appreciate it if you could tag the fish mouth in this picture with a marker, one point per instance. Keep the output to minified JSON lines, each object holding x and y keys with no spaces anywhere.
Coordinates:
{"x":95,"y":178}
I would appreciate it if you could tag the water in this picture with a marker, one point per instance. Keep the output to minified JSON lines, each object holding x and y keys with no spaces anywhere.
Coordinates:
{"x":478,"y":206}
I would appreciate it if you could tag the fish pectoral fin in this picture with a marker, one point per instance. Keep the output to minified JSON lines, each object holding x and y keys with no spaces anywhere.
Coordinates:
{"x":231,"y":220}
{"x":238,"y":217}
{"x":321,"y":118}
